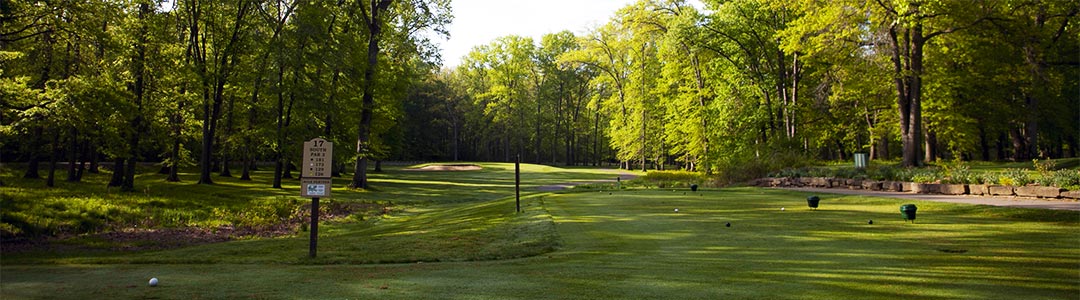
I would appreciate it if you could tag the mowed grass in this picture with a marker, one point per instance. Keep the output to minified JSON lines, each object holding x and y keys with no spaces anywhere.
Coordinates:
{"x":617,"y":245}
{"x":478,"y":202}
{"x":30,"y":208}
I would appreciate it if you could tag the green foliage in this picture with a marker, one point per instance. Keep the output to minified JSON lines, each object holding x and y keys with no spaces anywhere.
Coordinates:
{"x":1066,"y":179}
{"x":1057,"y":173}
{"x":883,"y":173}
{"x":988,"y":178}
{"x":737,"y":170}
{"x":1044,"y":168}
{"x":958,"y":172}
{"x":261,"y":212}
{"x":1014,"y":177}
{"x":925,"y":176}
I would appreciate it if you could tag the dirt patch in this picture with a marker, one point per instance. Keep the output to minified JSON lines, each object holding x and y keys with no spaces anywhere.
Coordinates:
{"x":460,"y":167}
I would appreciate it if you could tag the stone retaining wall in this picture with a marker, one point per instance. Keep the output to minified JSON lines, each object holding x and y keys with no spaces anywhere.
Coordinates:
{"x":920,"y":188}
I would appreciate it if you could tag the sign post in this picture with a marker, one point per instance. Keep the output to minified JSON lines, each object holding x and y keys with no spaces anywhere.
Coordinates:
{"x":517,"y":182}
{"x":315,"y":181}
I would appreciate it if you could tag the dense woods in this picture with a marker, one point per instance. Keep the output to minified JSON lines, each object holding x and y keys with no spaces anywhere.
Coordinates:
{"x":221,"y":85}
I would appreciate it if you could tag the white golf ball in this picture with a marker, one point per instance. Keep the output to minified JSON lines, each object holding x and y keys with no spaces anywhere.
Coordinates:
{"x":153,"y":282}
{"x":781,"y":209}
{"x":676,"y":210}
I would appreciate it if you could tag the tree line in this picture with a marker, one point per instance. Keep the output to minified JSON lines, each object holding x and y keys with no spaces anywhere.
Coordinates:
{"x":661,"y":84}
{"x":207,"y":83}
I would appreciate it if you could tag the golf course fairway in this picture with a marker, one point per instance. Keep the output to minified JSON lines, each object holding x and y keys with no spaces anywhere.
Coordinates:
{"x":632,"y":244}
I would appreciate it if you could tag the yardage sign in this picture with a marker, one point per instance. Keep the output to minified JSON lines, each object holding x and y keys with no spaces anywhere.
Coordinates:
{"x":315,"y":175}
{"x":317,"y":156}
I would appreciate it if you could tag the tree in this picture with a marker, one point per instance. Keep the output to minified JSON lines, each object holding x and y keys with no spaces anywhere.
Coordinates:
{"x":415,"y":16}
{"x":215,"y":32}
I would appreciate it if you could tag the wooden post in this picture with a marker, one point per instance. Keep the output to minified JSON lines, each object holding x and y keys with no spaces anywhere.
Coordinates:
{"x":315,"y":181}
{"x":517,"y":182}
{"x":314,"y":227}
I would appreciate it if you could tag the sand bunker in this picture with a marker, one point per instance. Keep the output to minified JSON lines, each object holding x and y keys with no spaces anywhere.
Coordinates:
{"x":447,"y":168}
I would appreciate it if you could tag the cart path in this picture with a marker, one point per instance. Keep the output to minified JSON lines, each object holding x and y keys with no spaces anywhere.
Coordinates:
{"x":620,"y":175}
{"x":1057,"y":204}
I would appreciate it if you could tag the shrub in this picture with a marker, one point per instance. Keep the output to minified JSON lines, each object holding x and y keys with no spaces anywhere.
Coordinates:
{"x":819,"y":172}
{"x":792,"y":172}
{"x":882,"y":173}
{"x":850,"y":172}
{"x":1014,"y":177}
{"x":958,"y":173}
{"x":1044,"y":168}
{"x":925,"y":176}
{"x":734,"y":170}
{"x":988,"y":178}
{"x":904,"y":174}
{"x":1066,"y":179}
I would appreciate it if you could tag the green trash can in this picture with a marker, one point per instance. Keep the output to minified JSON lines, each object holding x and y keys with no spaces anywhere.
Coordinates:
{"x":908,"y":211}
{"x":812,"y":201}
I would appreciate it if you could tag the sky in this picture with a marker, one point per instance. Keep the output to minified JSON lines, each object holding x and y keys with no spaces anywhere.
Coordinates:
{"x":478,"y":22}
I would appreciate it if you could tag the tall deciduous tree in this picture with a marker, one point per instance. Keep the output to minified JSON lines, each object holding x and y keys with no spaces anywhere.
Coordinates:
{"x":412,"y":18}
{"x":215,"y":32}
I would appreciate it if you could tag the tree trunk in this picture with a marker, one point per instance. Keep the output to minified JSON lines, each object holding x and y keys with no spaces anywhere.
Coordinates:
{"x":1073,"y":143}
{"x":82,"y":162}
{"x":212,"y":111}
{"x":245,"y":173}
{"x":278,"y":164}
{"x":54,"y":156}
{"x":907,"y":67}
{"x":174,"y":154}
{"x":931,"y":146}
{"x":225,"y":171}
{"x":94,"y":157}
{"x":883,"y":153}
{"x":644,"y":123}
{"x":225,"y":62}
{"x":596,"y":139}
{"x":1001,"y":140}
{"x":328,"y":130}
{"x":279,"y":156}
{"x":284,"y":118}
{"x":984,"y":143}
{"x":139,"y":70}
{"x":35,"y":150}
{"x":374,"y":24}
{"x":703,"y":159}
{"x":72,"y":151}
{"x":457,"y":139}
{"x":539,"y":141}
{"x":1019,"y":144}
{"x":118,"y":173}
